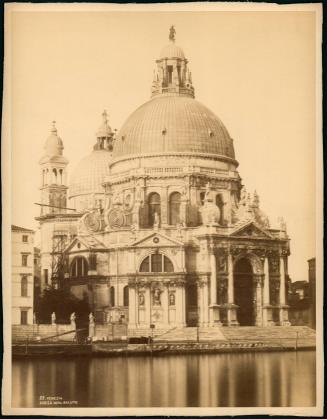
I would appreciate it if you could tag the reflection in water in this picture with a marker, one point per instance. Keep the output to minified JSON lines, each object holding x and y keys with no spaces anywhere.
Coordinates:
{"x":224,"y":380}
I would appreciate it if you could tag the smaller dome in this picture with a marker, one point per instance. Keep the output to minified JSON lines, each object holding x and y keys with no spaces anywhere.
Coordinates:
{"x":172,"y":51}
{"x":89,"y":174}
{"x":53,"y":145}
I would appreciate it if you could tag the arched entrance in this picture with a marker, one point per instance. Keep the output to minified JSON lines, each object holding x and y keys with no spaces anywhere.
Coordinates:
{"x":244,"y":292}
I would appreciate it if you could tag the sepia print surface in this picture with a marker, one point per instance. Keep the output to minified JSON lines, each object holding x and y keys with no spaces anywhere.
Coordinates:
{"x":162,"y":172}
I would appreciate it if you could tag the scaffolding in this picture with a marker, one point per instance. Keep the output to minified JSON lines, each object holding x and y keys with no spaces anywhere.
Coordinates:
{"x":58,"y":257}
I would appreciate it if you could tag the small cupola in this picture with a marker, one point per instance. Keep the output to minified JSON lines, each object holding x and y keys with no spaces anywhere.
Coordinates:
{"x":172,"y":75}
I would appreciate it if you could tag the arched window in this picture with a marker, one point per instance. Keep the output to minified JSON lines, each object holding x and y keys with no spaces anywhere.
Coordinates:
{"x":112,"y":296}
{"x":23,"y":286}
{"x":54,"y":175}
{"x":126,"y":296}
{"x":154,"y":207}
{"x":220,"y":205}
{"x":156,"y":262}
{"x":60,"y":176}
{"x":174,"y":208}
{"x":79,"y":267}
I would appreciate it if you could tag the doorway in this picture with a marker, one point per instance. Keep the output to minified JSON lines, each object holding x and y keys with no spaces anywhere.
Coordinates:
{"x":244,"y":292}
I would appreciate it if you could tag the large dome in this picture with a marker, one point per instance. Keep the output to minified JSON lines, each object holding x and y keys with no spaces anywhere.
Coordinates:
{"x":89,"y":174}
{"x":171,"y":123}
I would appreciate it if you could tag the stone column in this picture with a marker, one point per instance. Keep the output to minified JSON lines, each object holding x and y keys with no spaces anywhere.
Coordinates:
{"x":164,"y":207}
{"x":200,"y":303}
{"x":231,"y":307}
{"x":205,"y":304}
{"x":147,"y":303}
{"x":214,"y":308}
{"x":165,"y":305}
{"x":258,"y":299}
{"x":283,"y":308}
{"x":267,"y":308}
{"x":227,"y":207}
{"x":180,"y":305}
{"x":132,"y":306}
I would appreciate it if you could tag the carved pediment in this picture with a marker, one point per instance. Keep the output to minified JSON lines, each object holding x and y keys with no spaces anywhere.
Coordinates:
{"x":157,"y":240}
{"x":85,"y":243}
{"x":251,"y":230}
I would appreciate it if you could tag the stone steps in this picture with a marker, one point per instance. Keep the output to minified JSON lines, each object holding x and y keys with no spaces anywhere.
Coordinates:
{"x":277,"y":335}
{"x":147,"y":332}
{"x":180,"y":334}
{"x":270,"y":333}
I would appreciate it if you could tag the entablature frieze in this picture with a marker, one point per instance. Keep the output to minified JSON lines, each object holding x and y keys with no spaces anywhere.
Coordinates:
{"x":150,"y":282}
{"x":220,"y":182}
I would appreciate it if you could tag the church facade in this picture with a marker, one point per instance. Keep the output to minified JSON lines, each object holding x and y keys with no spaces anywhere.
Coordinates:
{"x":155,"y":226}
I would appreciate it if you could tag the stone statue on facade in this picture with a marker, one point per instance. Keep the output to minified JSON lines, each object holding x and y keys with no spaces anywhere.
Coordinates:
{"x":249,"y":209}
{"x":222,"y":264}
{"x":117,"y":200}
{"x":172,"y":33}
{"x":172,"y":299}
{"x":53,"y":318}
{"x":91,"y":318}
{"x":156,"y":221}
{"x":141,"y":299}
{"x":243,"y":196}
{"x":210,"y":213}
{"x":91,"y":326}
{"x":207,"y":195}
{"x":282,"y":224}
{"x":133,"y":231}
{"x":73,"y":320}
{"x":156,"y":296}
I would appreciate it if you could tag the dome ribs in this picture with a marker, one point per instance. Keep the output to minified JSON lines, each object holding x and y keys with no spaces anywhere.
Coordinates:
{"x":173,"y":123}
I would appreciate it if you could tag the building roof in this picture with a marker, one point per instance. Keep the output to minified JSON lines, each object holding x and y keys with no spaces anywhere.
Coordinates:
{"x":21,"y":229}
{"x":173,"y":123}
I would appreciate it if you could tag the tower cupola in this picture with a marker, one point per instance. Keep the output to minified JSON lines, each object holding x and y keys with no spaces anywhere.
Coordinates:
{"x":54,"y":145}
{"x":104,"y":135}
{"x":172,"y":75}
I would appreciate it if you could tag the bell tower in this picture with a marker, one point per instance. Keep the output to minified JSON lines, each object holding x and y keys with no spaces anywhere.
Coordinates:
{"x":172,"y":74}
{"x":53,"y":175}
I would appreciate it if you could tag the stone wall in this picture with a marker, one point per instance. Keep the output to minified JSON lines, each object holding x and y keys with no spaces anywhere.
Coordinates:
{"x":22,"y":333}
{"x":110,"y":332}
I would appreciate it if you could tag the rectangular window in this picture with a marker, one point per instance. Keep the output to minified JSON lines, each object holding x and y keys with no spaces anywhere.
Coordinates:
{"x":23,"y":317}
{"x":24,"y":260}
{"x":23,"y":287}
{"x":25,"y":238}
{"x":46,"y":276}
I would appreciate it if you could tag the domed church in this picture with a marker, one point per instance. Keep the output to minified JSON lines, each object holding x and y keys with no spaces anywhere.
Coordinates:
{"x":155,"y":228}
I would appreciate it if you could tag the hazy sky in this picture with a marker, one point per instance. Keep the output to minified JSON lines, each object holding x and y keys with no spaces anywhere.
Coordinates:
{"x":255,"y":70}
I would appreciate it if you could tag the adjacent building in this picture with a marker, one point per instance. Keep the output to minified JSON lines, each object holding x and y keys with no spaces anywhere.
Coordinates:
{"x":22,"y":240}
{"x":312,"y":291}
{"x":300,"y":303}
{"x":155,"y":226}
